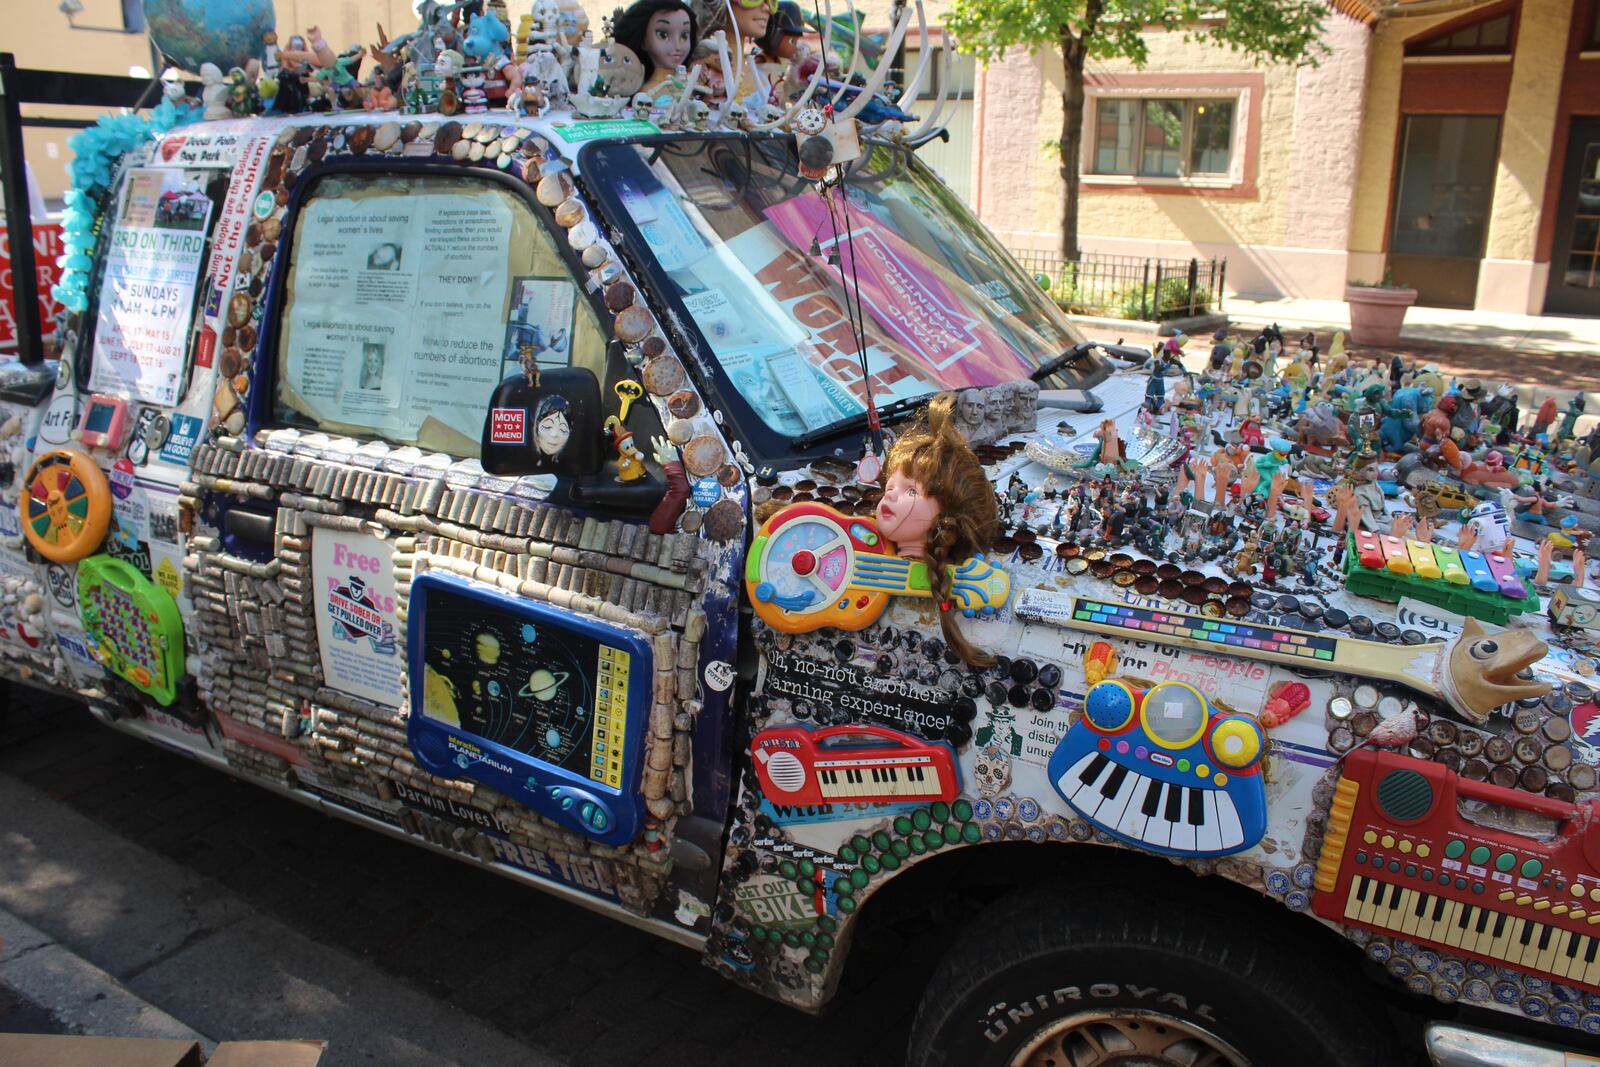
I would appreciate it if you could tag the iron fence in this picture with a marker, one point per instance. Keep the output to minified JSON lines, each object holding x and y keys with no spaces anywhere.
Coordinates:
{"x":1129,"y":287}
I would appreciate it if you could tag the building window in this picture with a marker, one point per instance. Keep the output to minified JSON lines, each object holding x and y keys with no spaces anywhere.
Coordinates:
{"x":133,"y":16}
{"x":1491,"y":37}
{"x":1164,"y":137}
{"x":963,"y":74}
{"x":1593,"y":41}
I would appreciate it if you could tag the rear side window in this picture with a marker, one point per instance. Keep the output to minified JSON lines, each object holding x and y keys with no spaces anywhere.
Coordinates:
{"x":409,"y":297}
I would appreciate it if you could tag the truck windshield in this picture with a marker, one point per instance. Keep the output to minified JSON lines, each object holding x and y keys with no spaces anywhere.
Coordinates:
{"x":767,"y":266}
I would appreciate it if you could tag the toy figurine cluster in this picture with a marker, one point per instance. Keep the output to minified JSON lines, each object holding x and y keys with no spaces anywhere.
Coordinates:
{"x":1301,"y":470}
{"x":740,"y":64}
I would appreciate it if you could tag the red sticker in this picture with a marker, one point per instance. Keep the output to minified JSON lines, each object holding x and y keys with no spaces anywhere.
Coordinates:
{"x":170,"y":146}
{"x":508,"y":426}
{"x":205,"y":351}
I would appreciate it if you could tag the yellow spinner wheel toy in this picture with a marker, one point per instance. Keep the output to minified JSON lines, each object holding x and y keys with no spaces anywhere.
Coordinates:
{"x":66,"y":506}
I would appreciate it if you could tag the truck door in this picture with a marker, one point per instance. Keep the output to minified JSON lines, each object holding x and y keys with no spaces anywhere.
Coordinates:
{"x":450,"y":613}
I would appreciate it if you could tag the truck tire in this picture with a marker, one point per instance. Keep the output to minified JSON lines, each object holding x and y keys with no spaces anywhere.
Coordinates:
{"x":1046,"y":978}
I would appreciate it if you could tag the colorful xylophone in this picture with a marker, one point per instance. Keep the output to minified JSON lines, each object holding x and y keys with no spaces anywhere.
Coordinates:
{"x":1481,"y":585}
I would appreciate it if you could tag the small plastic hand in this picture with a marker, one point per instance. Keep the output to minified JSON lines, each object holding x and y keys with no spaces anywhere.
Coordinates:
{"x":665,"y":451}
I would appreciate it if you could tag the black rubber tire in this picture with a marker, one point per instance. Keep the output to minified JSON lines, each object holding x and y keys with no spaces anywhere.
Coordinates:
{"x":1274,"y":993}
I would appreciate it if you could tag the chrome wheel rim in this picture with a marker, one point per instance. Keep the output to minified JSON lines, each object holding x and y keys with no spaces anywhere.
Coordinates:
{"x":1126,"y":1039}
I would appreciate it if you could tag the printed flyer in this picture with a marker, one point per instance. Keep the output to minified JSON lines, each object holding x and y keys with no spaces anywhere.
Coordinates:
{"x":142,"y":326}
{"x":397,"y":312}
{"x":357,"y":631}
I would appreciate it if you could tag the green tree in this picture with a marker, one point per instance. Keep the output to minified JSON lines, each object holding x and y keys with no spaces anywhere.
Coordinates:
{"x":1282,"y":31}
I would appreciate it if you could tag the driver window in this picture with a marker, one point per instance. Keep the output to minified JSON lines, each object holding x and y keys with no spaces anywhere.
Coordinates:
{"x":410,"y":297}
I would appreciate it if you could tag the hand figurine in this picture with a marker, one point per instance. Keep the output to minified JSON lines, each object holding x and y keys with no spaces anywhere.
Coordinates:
{"x":1401,"y":524}
{"x":664,"y":519}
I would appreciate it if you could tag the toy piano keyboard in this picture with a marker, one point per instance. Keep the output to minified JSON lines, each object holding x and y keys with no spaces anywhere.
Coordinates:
{"x":1483,"y":586}
{"x":133,"y":626}
{"x":1401,"y":857}
{"x":1161,"y":770}
{"x":812,"y":566}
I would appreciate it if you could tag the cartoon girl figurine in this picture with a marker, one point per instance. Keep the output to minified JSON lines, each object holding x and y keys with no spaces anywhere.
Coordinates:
{"x":552,"y":429}
{"x":662,"y":33}
{"x":938,"y":506}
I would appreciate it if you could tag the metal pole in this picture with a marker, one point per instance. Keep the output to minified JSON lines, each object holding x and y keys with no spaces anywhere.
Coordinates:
{"x":1194,"y":274}
{"x":1144,"y":291}
{"x":897,"y":62}
{"x":19,"y":218}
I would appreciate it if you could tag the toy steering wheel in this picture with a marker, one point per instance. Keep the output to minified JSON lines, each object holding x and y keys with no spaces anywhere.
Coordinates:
{"x":66,"y":506}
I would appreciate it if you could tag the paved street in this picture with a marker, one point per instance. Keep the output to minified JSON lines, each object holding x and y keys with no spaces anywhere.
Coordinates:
{"x":244,"y":915}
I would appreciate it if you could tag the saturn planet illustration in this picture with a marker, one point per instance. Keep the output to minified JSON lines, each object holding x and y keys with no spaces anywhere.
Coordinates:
{"x":544,"y":685}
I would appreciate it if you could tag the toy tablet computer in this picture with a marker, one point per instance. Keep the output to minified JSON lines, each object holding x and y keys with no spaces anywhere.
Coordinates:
{"x":546,"y":707}
{"x":133,"y":626}
{"x":105,"y":420}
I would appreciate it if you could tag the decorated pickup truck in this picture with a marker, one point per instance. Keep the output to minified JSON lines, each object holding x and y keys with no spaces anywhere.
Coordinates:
{"x":718,"y":529}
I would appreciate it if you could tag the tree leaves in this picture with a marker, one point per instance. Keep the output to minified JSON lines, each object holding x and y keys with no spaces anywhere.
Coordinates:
{"x":1282,"y":31}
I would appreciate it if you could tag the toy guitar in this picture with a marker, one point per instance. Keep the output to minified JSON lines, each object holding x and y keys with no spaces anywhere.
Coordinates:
{"x":1474,"y":672}
{"x":811,"y":566}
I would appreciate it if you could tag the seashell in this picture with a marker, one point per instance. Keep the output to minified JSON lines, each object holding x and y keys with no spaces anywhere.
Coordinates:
{"x":486,"y":135}
{"x":683,"y":404}
{"x":361,"y":139}
{"x":224,"y":401}
{"x":570,"y":212}
{"x":234,"y":423}
{"x":474,"y":151}
{"x":230,"y":362}
{"x":680,"y":431}
{"x":596,"y":254}
{"x":503,"y":161}
{"x":459,"y":150}
{"x":702,"y":456}
{"x":412,"y":130}
{"x":620,"y":296}
{"x":271,"y":227}
{"x":230,"y":336}
{"x":471,"y":130}
{"x":554,"y":188}
{"x":316,"y":150}
{"x":446,"y":138}
{"x":302,"y":135}
{"x":247,"y":338}
{"x":509,"y":144}
{"x":529,"y":170}
{"x":386,"y":137}
{"x":252,"y":235}
{"x":273,"y":173}
{"x":238,"y":310}
{"x":285,"y":136}
{"x":724,"y":520}
{"x":633,"y":325}
{"x":653,"y":347}
{"x":583,"y":235}
{"x":663,"y":375}
{"x":241,"y":384}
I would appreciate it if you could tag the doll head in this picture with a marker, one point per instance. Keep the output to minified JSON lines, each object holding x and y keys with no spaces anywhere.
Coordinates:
{"x":938,"y":504}
{"x":552,"y":426}
{"x":662,"y":33}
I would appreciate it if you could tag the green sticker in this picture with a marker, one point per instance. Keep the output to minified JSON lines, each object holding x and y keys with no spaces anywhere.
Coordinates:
{"x":264,"y":205}
{"x":573,"y":132}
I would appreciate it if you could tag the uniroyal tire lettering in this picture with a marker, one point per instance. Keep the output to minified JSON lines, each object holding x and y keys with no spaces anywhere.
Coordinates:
{"x":997,"y":1028}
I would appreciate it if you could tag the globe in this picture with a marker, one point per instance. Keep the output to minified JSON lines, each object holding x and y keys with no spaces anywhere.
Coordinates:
{"x":225,"y":32}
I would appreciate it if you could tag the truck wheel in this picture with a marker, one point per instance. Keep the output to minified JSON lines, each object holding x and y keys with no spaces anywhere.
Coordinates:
{"x":1048,"y":979}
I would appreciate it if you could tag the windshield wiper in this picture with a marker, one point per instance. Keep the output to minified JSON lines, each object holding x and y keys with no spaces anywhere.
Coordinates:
{"x":1127,"y":353}
{"x":858,"y":421}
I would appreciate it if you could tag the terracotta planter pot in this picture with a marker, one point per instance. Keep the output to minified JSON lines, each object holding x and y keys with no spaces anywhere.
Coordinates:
{"x":1376,"y":315}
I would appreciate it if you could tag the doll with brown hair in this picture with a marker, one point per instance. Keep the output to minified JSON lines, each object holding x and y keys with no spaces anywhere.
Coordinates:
{"x":939,"y":506}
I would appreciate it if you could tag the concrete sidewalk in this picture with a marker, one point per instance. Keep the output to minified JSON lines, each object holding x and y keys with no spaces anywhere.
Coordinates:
{"x":1554,"y":334}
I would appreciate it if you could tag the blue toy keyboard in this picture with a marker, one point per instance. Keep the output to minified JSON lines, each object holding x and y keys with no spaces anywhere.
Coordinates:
{"x":1160,"y":770}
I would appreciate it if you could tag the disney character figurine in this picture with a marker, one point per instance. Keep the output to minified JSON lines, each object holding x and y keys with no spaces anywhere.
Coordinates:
{"x":663,"y":34}
{"x":939,"y":505}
